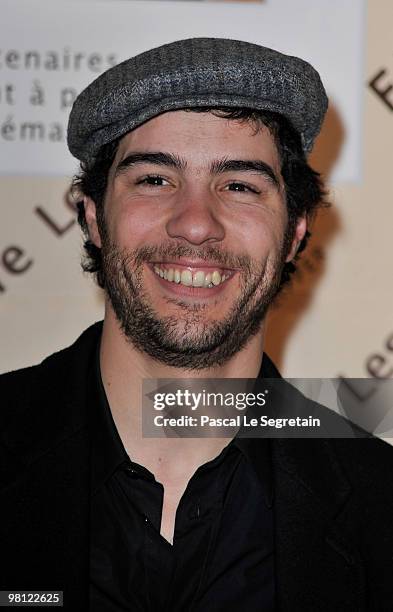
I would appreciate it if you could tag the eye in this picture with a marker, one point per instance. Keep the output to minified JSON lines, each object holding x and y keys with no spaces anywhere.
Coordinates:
{"x":153,"y":180}
{"x":241,"y":188}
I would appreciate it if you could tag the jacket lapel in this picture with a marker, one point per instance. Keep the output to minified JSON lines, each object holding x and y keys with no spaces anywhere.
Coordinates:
{"x":317,"y":565}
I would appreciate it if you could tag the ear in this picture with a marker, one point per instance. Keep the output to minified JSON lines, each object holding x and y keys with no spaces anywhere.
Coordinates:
{"x":300,"y":232}
{"x":91,"y":220}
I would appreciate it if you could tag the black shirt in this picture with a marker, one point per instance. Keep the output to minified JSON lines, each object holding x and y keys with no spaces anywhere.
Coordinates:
{"x":222,"y":552}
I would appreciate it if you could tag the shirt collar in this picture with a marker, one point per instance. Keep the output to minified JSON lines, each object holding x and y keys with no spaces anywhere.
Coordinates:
{"x":108,"y":452}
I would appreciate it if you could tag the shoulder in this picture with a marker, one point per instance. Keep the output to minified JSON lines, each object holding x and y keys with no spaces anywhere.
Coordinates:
{"x":43,"y":404}
{"x":18,"y":382}
{"x":368,"y":461}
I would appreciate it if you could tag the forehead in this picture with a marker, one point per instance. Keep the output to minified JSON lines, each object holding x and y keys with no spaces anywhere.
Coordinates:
{"x":200,"y":138}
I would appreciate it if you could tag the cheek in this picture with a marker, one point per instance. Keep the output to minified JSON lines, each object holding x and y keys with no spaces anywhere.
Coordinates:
{"x":133,"y":224}
{"x":263,"y":236}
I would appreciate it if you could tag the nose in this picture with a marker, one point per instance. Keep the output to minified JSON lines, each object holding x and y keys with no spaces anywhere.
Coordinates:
{"x":195,"y":218}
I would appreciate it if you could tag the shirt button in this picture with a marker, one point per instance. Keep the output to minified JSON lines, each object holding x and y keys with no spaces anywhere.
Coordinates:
{"x":132,"y":472}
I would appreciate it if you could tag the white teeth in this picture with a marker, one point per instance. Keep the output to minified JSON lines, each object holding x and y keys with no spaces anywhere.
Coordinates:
{"x":185,"y":277}
{"x":198,"y":279}
{"x":216,"y":278}
{"x":208,"y":279}
{"x":171,"y":274}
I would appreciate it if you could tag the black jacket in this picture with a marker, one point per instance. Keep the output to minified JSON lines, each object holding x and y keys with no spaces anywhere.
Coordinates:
{"x":333,"y":499}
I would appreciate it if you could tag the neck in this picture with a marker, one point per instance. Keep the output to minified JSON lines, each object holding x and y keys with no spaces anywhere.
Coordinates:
{"x":123,"y":369}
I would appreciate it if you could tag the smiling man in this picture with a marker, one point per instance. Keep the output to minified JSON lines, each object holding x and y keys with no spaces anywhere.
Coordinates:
{"x":194,"y":234}
{"x":195,"y":195}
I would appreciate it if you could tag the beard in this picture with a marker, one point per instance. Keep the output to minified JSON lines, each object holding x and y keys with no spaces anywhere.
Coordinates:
{"x":189,"y":339}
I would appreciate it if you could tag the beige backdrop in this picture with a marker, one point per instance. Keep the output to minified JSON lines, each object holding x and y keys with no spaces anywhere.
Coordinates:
{"x":337,"y":320}
{"x":337,"y":317}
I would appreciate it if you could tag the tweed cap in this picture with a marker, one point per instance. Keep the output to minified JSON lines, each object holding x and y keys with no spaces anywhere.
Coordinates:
{"x":196,"y":72}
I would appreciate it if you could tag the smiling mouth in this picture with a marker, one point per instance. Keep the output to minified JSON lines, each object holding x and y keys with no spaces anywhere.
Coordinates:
{"x":207,"y":278}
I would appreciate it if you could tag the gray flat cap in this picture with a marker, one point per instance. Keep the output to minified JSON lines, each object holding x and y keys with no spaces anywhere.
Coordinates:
{"x":196,"y":72}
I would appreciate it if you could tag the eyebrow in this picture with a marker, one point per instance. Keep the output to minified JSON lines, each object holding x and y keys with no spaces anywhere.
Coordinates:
{"x":160,"y":159}
{"x":241,"y":165}
{"x":217,"y":166}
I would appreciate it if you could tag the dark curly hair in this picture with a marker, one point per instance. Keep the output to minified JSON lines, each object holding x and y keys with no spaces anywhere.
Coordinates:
{"x":304,"y":189}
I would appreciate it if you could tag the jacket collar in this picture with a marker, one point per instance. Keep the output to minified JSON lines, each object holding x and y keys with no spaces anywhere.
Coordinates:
{"x":322,"y":476}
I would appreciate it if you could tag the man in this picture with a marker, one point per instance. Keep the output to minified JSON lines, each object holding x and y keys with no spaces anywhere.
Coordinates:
{"x":195,"y":198}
